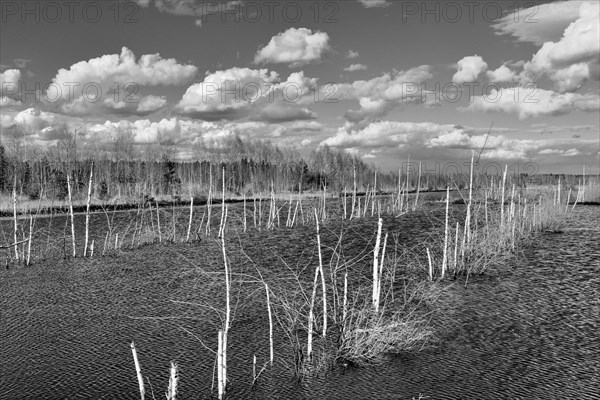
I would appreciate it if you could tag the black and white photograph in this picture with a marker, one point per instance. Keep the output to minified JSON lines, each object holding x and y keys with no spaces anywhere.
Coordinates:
{"x":300,"y":199}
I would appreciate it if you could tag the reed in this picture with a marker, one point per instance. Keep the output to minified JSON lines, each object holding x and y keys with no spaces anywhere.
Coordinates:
{"x":322,"y":273}
{"x":15,"y":221}
{"x":71,"y":214}
{"x":187,"y":238}
{"x":271,"y":351}
{"x":138,"y":372}
{"x":87,"y":211}
{"x":171,"y":393}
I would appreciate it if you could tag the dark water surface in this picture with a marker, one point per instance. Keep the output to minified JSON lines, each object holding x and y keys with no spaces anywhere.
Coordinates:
{"x":528,"y":330}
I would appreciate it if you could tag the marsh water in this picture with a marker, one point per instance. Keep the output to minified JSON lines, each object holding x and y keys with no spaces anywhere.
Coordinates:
{"x":524,"y":330}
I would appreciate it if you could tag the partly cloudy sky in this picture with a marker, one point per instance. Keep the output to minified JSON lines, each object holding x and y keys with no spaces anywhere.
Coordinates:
{"x":381,"y":79}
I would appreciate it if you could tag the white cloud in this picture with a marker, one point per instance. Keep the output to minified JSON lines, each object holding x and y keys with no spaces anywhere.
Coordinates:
{"x":374,"y":3}
{"x":194,"y":8}
{"x":295,"y":46}
{"x":532,"y":102}
{"x":9,"y":102}
{"x":112,"y":83}
{"x":33,"y":120}
{"x":355,"y":67}
{"x":9,"y":86}
{"x":227,"y":94}
{"x":352,"y":54}
{"x":282,"y":112}
{"x":572,"y":152}
{"x":167,"y":130}
{"x":502,"y":74}
{"x":237,"y":93}
{"x":575,"y":57}
{"x":469,"y":68}
{"x":9,"y":81}
{"x":379,"y":95}
{"x":386,"y":134}
{"x":539,"y":23}
{"x":426,"y":140}
{"x":150,"y":104}
{"x":150,"y":69}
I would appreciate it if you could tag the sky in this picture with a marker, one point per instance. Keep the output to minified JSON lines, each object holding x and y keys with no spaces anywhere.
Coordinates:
{"x":515,"y":82}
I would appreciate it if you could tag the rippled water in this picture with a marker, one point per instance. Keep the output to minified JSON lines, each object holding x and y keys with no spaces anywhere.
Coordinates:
{"x":528,"y":330}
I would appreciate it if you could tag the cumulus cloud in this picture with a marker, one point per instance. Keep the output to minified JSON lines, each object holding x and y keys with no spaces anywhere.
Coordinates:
{"x":227,"y":94}
{"x":9,"y":87}
{"x":293,"y":131}
{"x":379,"y":95}
{"x":237,"y":93}
{"x":150,"y":69}
{"x":502,"y":74}
{"x":172,"y":131}
{"x":282,"y":112}
{"x":575,"y":57}
{"x":194,"y":8}
{"x":374,"y":3}
{"x":33,"y":120}
{"x":34,"y":124}
{"x":386,"y":134}
{"x":352,"y":54}
{"x":111,"y":83}
{"x":355,"y":67}
{"x":443,"y":142}
{"x":185,"y":134}
{"x":539,"y":23}
{"x":532,"y":102}
{"x":560,"y":152}
{"x":6,"y":101}
{"x":469,"y":68}
{"x":295,"y":46}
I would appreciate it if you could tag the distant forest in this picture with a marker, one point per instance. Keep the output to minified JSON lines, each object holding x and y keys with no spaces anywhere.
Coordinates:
{"x":251,"y":167}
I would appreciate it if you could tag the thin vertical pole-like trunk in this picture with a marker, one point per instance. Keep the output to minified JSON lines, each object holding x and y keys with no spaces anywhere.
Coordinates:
{"x":209,"y":201}
{"x":16,"y":224}
{"x":227,"y":302}
{"x":380,"y":273}
{"x":502,"y":199}
{"x":445,"y":258}
{"x":173,"y":378}
{"x":323,"y":285}
{"x":418,"y":188}
{"x":311,"y":315}
{"x":187,"y":239}
{"x":456,"y":246}
{"x":138,"y":372}
{"x":220,"y":369}
{"x":430,"y":265}
{"x":375,"y":297}
{"x":353,"y":192}
{"x":30,"y":239}
{"x":158,"y":221}
{"x":270,"y":324}
{"x":87,"y":211}
{"x":71,"y":213}
{"x":244,"y":212}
